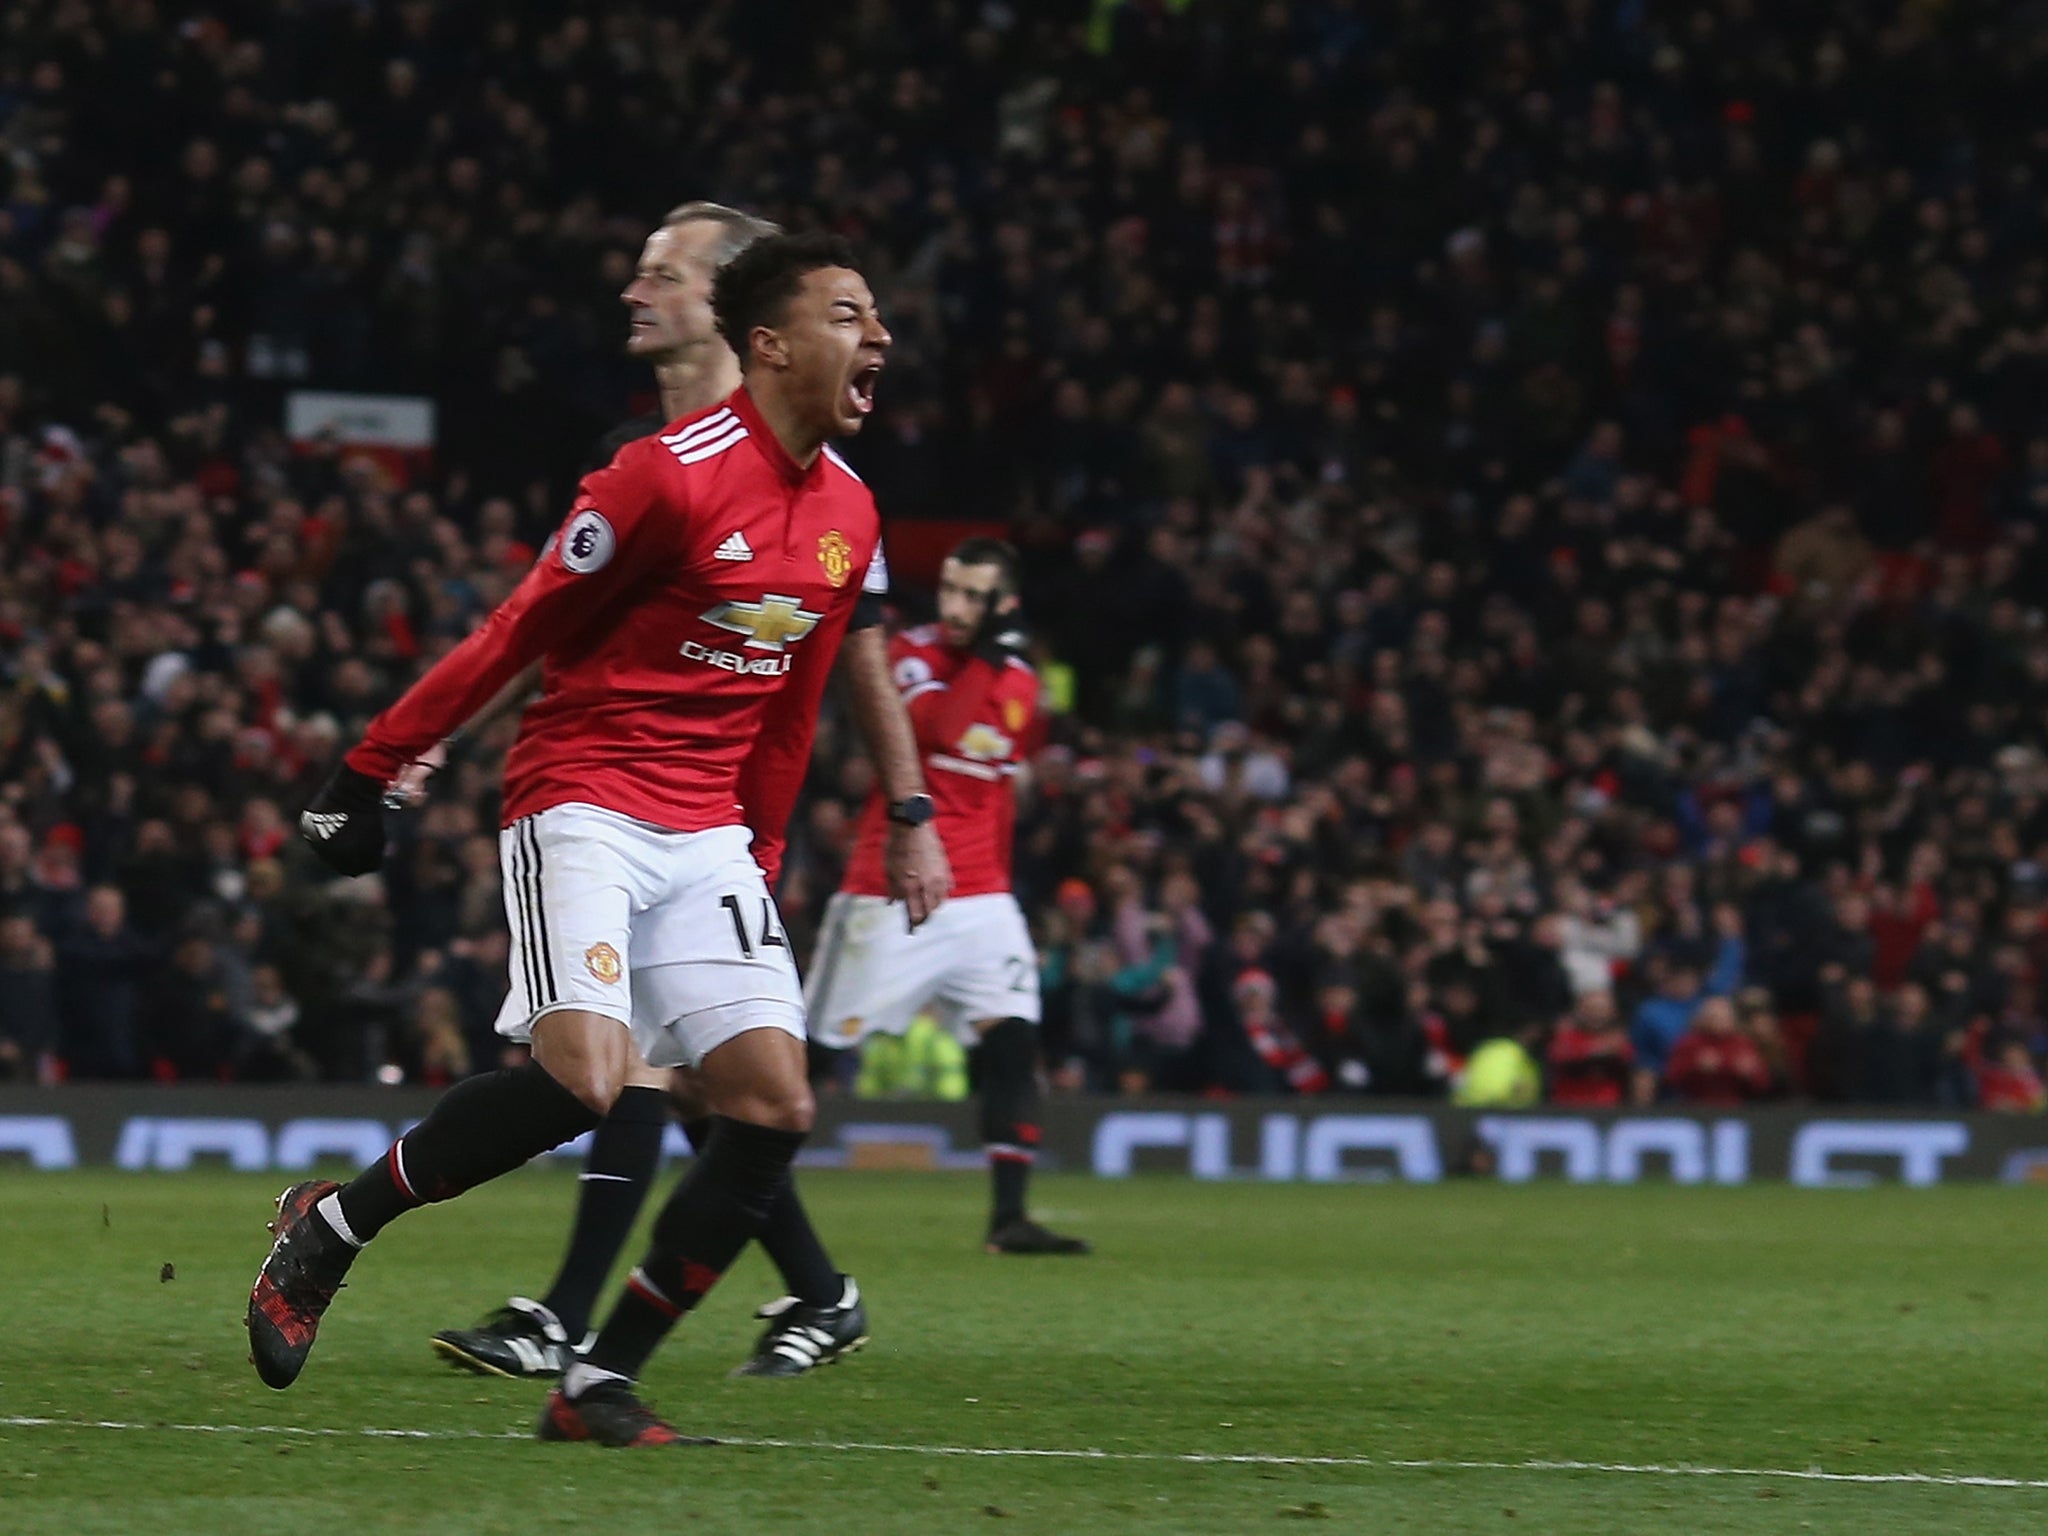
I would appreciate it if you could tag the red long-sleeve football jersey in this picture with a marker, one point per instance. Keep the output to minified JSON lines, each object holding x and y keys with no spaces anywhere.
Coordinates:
{"x":972,"y":722}
{"x":688,"y":612}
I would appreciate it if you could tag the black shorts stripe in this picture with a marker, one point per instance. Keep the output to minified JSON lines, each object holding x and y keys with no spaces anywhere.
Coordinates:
{"x":522,"y":937}
{"x":830,"y":942}
{"x":543,"y":954}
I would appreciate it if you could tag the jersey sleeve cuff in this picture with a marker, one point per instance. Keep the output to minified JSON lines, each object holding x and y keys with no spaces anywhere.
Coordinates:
{"x":375,"y":762}
{"x":868,"y":611}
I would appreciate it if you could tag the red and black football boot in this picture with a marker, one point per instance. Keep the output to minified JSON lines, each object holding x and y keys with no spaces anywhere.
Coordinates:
{"x":295,"y":1285}
{"x":609,"y":1414}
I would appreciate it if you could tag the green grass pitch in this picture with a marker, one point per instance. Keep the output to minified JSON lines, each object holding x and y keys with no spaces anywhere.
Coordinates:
{"x":1480,"y":1331}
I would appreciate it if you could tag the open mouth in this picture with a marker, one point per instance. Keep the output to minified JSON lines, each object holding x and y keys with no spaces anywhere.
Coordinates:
{"x":860,"y":389}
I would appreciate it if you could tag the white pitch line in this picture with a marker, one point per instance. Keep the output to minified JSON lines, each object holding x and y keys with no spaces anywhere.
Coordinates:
{"x":1186,"y":1458}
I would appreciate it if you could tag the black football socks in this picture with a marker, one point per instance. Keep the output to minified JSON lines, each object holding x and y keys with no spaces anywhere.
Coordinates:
{"x":719,"y":1207}
{"x":1008,"y":1072}
{"x":482,"y":1127}
{"x":625,"y":1155}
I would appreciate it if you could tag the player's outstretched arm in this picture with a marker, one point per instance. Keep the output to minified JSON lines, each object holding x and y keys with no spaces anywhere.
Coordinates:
{"x":586,"y":567}
{"x":410,"y":787}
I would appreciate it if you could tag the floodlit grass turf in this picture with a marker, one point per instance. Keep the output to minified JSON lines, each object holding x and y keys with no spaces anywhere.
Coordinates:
{"x":1873,"y":1331}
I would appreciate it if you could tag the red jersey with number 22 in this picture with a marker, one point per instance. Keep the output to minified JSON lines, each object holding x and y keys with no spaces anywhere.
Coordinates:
{"x":972,"y":722}
{"x":688,"y":612}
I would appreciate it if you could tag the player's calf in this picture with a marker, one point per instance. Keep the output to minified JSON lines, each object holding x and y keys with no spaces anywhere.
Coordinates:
{"x":1008,"y":1076}
{"x":719,"y":1208}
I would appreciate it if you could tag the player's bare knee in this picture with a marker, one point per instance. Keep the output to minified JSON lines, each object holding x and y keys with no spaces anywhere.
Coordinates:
{"x":797,"y":1109}
{"x":600,"y":1090}
{"x":779,"y":1106}
{"x":593,"y":1082}
{"x":590,"y":1055}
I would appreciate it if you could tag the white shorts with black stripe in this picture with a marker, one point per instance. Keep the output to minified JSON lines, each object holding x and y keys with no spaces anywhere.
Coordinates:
{"x":673,"y":934}
{"x":969,"y":962}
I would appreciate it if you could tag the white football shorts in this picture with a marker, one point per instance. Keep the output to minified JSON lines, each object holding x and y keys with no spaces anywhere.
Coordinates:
{"x":971,"y":960}
{"x":673,"y":934}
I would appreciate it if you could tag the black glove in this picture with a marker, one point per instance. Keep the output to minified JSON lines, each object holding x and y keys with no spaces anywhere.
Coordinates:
{"x":1002,"y":635}
{"x":345,"y":823}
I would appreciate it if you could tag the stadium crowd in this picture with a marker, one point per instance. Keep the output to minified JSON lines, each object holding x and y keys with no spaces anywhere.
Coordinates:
{"x":1532,"y":511}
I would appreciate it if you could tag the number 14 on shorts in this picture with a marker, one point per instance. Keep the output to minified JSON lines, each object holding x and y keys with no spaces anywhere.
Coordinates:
{"x":771,"y":937}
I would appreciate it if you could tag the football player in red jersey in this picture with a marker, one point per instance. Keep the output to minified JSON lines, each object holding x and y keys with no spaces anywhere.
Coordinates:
{"x":681,"y":688}
{"x":973,"y":701}
{"x":823,"y":1316}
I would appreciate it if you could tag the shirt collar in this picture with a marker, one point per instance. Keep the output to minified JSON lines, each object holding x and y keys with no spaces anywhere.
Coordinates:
{"x":742,"y":405}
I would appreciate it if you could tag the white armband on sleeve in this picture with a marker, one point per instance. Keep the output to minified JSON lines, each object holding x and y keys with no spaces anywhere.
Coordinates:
{"x":876,"y":582}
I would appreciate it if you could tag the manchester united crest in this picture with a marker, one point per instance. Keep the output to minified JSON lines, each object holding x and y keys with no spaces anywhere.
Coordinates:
{"x":836,"y":556}
{"x":1015,"y":713}
{"x":602,"y":961}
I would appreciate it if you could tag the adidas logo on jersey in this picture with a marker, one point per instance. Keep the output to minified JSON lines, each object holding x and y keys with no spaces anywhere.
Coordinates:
{"x":735,"y":547}
{"x":322,"y":824}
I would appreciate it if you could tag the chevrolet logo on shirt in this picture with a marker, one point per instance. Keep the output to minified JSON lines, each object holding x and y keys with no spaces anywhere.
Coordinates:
{"x":986,"y":744}
{"x":769,"y":625}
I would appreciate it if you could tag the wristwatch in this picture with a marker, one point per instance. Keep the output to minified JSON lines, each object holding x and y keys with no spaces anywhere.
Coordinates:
{"x":911,"y":810}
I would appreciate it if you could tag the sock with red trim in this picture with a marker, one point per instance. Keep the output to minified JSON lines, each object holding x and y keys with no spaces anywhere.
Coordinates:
{"x":718,"y":1208}
{"x":482,"y":1127}
{"x":788,"y":1238}
{"x":1007,"y":1072}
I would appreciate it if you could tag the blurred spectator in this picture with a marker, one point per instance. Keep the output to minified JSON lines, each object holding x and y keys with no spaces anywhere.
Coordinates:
{"x":190,"y":1029}
{"x":1713,"y":1064}
{"x":28,"y":1002}
{"x":1846,"y":1041}
{"x":1501,"y":1074}
{"x":100,"y":970}
{"x":924,"y":1062}
{"x":2006,"y":1077}
{"x":1293,"y":1069}
{"x":1600,"y":935}
{"x":1663,"y":1018}
{"x":1759,"y":1023}
{"x":1823,"y":559}
{"x":1591,"y":1060}
{"x":265,"y":1050}
{"x":1911,"y":1057}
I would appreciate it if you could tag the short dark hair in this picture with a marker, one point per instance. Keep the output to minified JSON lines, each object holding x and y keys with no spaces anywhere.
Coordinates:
{"x":755,"y":287}
{"x":999,"y":553}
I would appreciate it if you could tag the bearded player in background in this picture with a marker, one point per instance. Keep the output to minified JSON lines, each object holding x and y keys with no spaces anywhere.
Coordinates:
{"x":973,"y":701}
